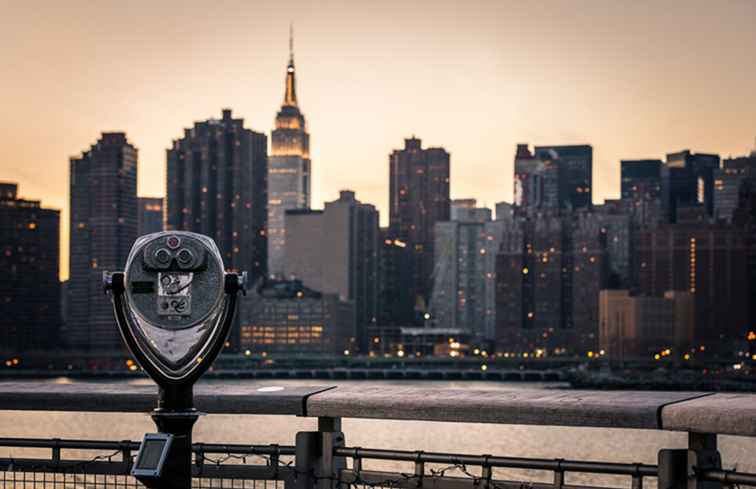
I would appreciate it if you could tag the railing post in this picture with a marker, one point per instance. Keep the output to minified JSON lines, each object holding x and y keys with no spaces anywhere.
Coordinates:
{"x":316,"y":466}
{"x":702,"y":455}
{"x":678,"y":469}
{"x":673,"y":469}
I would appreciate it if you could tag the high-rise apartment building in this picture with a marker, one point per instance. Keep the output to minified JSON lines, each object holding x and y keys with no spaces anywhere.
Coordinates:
{"x":710,"y":262}
{"x":418,"y":199}
{"x":335,"y":251}
{"x":103,"y":228}
{"x":30,"y":312}
{"x":463,"y":294}
{"x":217,"y":186}
{"x":549,"y":271}
{"x":289,"y":169}
{"x":150,"y":215}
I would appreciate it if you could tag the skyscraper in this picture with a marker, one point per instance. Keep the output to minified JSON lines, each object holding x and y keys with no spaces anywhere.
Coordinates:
{"x":536,"y":180}
{"x":575,"y":164}
{"x":217,"y":185}
{"x":103,"y":228}
{"x":736,"y":175}
{"x":289,"y":168}
{"x":688,"y":181}
{"x":336,"y":251}
{"x":396,"y":307}
{"x":549,"y":271}
{"x":418,"y":199}
{"x":641,"y":190}
{"x":150,"y":215}
{"x":30,"y":313}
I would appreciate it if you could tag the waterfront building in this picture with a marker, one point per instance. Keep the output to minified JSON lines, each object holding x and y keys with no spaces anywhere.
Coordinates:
{"x":335,"y":251}
{"x":688,"y":181}
{"x":528,"y":285}
{"x":285,"y":316}
{"x":217,"y":186}
{"x":418,"y":199}
{"x":420,"y":341}
{"x":103,"y":227}
{"x":575,"y":169}
{"x":289,"y":169}
{"x":30,"y":302}
{"x":709,"y":261}
{"x":150,"y":215}
{"x":549,"y":270}
{"x":645,"y":327}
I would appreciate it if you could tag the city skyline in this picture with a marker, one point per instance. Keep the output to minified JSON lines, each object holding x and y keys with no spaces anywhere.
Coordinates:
{"x":686,"y":92}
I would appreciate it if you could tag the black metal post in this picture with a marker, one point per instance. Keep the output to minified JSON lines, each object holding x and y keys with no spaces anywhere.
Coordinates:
{"x":176,"y":416}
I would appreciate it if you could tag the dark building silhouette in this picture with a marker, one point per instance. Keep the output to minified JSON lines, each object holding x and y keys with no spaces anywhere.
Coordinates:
{"x":575,"y":164}
{"x":709,"y":261}
{"x":30,"y":312}
{"x":418,"y":198}
{"x":150,"y":215}
{"x":336,"y":251}
{"x":217,"y":186}
{"x":396,"y":306}
{"x":688,"y":181}
{"x":641,"y":190}
{"x":103,"y":228}
{"x":641,"y":179}
{"x":736,"y":176}
{"x":289,"y":171}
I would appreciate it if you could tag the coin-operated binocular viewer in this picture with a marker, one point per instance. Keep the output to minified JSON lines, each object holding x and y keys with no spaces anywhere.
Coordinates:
{"x":174,"y":306}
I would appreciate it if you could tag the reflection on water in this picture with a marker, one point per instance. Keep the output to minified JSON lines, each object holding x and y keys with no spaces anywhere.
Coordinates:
{"x":615,"y":445}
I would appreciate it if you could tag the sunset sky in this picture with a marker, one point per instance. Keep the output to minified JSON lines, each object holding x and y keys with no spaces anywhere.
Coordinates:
{"x":635,"y":79}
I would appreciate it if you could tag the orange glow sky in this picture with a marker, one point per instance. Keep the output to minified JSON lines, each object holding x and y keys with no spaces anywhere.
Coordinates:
{"x":635,"y":79}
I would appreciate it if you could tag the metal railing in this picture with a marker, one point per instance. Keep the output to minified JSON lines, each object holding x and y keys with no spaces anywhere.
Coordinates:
{"x":322,"y":460}
{"x":278,"y":467}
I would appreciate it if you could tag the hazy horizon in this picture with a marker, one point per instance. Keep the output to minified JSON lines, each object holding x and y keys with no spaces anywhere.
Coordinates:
{"x":635,"y":80}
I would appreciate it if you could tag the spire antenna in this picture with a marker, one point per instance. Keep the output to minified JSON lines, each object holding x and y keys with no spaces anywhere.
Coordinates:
{"x":291,"y":41}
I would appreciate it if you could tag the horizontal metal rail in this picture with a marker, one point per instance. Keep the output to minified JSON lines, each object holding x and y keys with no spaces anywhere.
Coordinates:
{"x":727,"y":477}
{"x":275,"y":469}
{"x":555,"y":465}
{"x":266,"y":450}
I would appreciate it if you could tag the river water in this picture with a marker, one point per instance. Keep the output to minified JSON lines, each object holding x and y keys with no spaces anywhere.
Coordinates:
{"x":613,"y":445}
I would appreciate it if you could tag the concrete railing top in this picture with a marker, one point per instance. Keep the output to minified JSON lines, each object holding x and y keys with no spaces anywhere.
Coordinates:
{"x":732,"y":414}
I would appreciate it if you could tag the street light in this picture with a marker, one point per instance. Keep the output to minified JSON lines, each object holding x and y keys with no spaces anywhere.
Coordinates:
{"x":174,"y":306}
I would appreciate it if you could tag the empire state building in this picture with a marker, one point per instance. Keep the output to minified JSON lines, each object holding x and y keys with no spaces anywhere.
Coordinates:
{"x":288,"y":169}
